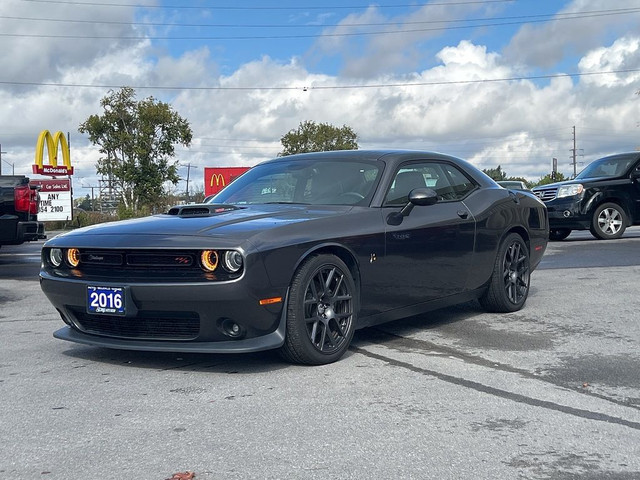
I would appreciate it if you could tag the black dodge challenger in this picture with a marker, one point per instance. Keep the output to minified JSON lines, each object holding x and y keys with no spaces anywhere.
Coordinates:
{"x":296,"y":254}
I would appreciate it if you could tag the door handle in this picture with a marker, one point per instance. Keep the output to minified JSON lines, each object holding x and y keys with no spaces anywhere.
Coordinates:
{"x":463,"y":213}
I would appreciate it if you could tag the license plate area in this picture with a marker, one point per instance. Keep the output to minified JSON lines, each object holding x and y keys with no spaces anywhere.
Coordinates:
{"x":106,"y":300}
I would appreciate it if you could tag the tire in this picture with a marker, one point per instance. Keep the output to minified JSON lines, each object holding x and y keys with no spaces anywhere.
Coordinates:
{"x":321,"y":312}
{"x":509,"y":285}
{"x":556,"y":234}
{"x":608,"y":222}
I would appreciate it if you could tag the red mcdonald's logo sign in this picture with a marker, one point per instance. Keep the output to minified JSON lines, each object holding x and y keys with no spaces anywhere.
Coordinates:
{"x":215,"y":179}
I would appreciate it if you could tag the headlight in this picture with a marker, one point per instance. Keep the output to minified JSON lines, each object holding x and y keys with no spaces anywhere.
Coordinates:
{"x":233,"y":261}
{"x":73,"y":257}
{"x":570,"y":190}
{"x":209,"y":260}
{"x":55,"y":257}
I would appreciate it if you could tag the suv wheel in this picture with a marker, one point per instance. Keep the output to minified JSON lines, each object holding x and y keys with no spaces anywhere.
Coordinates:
{"x":609,"y":221}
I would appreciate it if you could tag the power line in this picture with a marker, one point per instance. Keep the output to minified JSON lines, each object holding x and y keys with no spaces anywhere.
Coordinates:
{"x":329,"y":87}
{"x":524,"y":18}
{"x":299,"y":36}
{"x":264,"y":7}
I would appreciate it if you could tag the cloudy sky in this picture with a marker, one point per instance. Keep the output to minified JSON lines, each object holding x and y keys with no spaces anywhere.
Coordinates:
{"x":495,"y":82}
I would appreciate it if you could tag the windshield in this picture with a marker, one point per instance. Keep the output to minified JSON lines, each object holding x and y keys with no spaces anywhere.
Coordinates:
{"x":305,"y":181}
{"x":608,"y":167}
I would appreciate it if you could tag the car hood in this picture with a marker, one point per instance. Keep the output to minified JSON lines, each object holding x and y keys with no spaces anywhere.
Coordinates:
{"x":574,"y":181}
{"x":228,"y":226}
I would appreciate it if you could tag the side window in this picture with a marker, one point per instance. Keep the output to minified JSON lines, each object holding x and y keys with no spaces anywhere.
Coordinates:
{"x":448,"y":182}
{"x":460,"y":184}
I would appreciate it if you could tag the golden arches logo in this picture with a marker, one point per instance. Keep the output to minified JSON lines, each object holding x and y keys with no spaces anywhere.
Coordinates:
{"x":53,"y":143}
{"x":219,"y":178}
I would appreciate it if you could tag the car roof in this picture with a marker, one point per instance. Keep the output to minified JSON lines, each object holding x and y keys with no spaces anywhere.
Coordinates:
{"x":391,"y":157}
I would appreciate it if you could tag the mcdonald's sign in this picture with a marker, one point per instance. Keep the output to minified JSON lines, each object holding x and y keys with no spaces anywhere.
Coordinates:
{"x":53,"y":143}
{"x":215,"y":179}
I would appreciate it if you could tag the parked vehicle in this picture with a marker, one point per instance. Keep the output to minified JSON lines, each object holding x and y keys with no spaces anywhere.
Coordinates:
{"x":18,"y":211}
{"x":513,"y":184}
{"x":298,"y":253}
{"x":604,"y":198}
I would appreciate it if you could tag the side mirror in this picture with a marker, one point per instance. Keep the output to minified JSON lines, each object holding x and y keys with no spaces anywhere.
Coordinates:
{"x":636,"y":172}
{"x":418,"y":196}
{"x":422,"y":197}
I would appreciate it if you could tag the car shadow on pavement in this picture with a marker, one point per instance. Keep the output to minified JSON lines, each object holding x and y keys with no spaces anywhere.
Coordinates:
{"x":420,"y":323}
{"x":197,"y":362}
{"x":267,"y":361}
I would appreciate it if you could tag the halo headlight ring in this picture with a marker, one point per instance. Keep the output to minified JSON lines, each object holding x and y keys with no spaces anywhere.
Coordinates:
{"x":72,"y":257}
{"x":56,"y":257}
{"x":232,"y":261}
{"x":209,"y":260}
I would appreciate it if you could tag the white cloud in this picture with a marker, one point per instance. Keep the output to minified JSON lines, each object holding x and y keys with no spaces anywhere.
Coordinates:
{"x":546,"y":44}
{"x":404,"y":45}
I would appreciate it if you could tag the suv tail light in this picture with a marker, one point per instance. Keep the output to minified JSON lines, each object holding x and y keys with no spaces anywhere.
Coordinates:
{"x":26,"y":199}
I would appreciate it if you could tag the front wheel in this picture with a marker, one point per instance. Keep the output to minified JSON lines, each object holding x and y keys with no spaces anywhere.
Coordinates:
{"x":321,"y":312}
{"x":608,"y":222}
{"x":509,"y":285}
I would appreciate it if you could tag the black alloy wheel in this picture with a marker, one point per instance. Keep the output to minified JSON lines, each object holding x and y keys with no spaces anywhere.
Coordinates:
{"x":609,"y":221}
{"x":509,"y":285}
{"x":321,"y":312}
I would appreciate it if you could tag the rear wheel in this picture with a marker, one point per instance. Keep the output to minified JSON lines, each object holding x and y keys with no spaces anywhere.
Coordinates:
{"x":509,"y":284}
{"x":608,"y":222}
{"x":556,"y":234}
{"x":321,"y":312}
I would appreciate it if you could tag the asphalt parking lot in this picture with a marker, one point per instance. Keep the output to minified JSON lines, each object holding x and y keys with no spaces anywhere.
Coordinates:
{"x":550,"y":392}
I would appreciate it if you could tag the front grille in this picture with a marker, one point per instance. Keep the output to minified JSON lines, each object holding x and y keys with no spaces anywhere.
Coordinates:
{"x":157,"y":259}
{"x":546,"y":194}
{"x":147,"y":325}
{"x":138,"y":258}
{"x":144,"y":265}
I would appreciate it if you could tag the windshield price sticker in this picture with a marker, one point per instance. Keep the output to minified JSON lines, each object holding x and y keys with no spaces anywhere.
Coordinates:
{"x":106,"y":300}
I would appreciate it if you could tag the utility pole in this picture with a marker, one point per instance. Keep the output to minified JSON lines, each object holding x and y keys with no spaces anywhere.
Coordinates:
{"x":189,"y":167}
{"x":574,"y":154}
{"x":1,"y":152}
{"x":93,"y":205}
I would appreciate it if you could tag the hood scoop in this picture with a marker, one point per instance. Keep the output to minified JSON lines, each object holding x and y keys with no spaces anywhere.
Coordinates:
{"x":200,"y":210}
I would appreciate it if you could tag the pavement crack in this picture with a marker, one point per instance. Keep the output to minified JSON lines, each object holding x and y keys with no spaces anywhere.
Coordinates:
{"x":400,"y":343}
{"x":497,"y":392}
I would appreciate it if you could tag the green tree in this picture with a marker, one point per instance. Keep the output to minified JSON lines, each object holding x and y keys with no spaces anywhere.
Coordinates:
{"x":137,"y":140}
{"x":496,"y":174}
{"x":546,"y":179}
{"x":313,"y":137}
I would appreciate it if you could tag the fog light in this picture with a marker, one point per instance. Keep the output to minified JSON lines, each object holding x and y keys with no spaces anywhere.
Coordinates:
{"x":231,"y":328}
{"x":73,"y":257}
{"x":566,"y":213}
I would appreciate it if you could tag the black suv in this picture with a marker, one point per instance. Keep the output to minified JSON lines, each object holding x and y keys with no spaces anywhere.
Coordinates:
{"x":604,"y":198}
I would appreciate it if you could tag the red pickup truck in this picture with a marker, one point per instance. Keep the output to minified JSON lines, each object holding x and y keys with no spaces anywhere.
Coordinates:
{"x":19,"y":211}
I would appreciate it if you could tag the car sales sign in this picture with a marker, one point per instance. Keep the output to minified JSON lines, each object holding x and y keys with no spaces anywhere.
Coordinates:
{"x":55,"y":200}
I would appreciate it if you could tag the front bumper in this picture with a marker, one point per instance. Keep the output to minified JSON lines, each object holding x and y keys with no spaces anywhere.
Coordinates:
{"x":176,"y":317}
{"x":567,"y":213}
